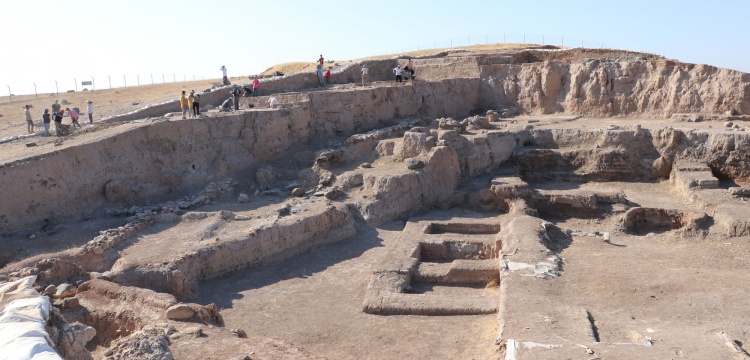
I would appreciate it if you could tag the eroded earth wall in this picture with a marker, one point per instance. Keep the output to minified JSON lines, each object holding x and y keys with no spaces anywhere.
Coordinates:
{"x":171,"y":156}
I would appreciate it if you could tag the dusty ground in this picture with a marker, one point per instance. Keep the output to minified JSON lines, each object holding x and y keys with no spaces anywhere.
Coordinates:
{"x":324,"y":289}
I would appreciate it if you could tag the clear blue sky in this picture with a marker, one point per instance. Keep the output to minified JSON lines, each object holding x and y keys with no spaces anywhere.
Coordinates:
{"x":47,"y":40}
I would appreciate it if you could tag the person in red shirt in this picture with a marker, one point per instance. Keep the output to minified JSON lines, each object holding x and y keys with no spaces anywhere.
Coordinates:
{"x":320,"y":60}
{"x":328,"y":76}
{"x":73,"y":116}
{"x":256,"y":87}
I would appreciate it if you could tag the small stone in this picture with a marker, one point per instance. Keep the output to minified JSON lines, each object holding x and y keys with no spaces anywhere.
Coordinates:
{"x":175,"y":336}
{"x":298,"y":192}
{"x":195,"y":331}
{"x":97,"y":250}
{"x":50,"y":289}
{"x":366,"y":165}
{"x":284,"y":210}
{"x":332,"y":194}
{"x":241,"y":217}
{"x":414,"y":164}
{"x":32,"y":237}
{"x":70,"y":303}
{"x":728,"y":124}
{"x":239,"y":333}
{"x":180,"y":312}
{"x":243,"y":198}
{"x":65,"y":290}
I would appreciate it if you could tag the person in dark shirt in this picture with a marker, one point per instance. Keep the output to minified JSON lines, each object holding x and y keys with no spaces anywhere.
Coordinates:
{"x":46,"y":120}
{"x":58,"y":123}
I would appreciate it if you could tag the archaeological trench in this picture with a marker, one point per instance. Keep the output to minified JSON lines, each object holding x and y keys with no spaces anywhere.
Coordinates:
{"x":529,"y":204}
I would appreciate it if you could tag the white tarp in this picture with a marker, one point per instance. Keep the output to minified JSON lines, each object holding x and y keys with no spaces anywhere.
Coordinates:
{"x":24,"y":313}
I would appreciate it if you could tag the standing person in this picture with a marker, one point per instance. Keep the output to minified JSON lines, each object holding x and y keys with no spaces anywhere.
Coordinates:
{"x":90,"y":111}
{"x":183,"y":104}
{"x":73,"y":116}
{"x":236,"y":93}
{"x":46,"y":120}
{"x":197,"y":105}
{"x":191,"y":100}
{"x":256,"y":87}
{"x":319,"y":72}
{"x":223,"y":69}
{"x":58,"y":123}
{"x":365,"y":74}
{"x":397,"y":70}
{"x":328,"y":76}
{"x":56,"y":107}
{"x":321,"y":61}
{"x":29,"y":120}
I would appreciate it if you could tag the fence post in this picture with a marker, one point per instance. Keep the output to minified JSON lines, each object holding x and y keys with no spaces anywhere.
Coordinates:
{"x":93,"y":84}
{"x":110,"y":81}
{"x":36,"y":96}
{"x":138,"y":79}
{"x":10,"y":94}
{"x":174,"y":78}
{"x":162,"y":78}
{"x":124,"y":80}
{"x":152,"y":79}
{"x":57,"y":91}
{"x":75,"y":84}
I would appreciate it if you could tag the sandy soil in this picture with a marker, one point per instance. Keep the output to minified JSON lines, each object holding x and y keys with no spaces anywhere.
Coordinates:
{"x":314,"y":300}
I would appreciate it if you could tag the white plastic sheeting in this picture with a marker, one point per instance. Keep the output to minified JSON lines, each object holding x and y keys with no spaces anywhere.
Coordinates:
{"x":24,"y":313}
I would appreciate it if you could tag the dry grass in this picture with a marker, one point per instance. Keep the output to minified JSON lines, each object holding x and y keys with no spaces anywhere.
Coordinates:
{"x":296,"y":67}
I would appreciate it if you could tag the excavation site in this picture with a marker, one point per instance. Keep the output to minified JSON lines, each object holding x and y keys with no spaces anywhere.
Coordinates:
{"x":538,"y":203}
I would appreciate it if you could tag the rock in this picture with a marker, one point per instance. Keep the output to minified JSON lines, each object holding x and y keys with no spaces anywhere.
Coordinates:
{"x":32,"y":236}
{"x":30,"y":144}
{"x":492,"y":115}
{"x":298,"y":192}
{"x":239,"y":333}
{"x":50,"y":289}
{"x":728,"y":124}
{"x":195,"y":331}
{"x":241,"y":217}
{"x":136,"y":102}
{"x":284,"y":210}
{"x":328,"y":158}
{"x":243,"y":198}
{"x":366,"y":165}
{"x":332,"y":194}
{"x":65,"y":290}
{"x":64,"y":102}
{"x":414,"y":164}
{"x":180,"y":312}
{"x":70,"y":303}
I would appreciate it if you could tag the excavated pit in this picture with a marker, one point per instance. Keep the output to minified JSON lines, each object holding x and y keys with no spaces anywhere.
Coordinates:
{"x":527,"y":205}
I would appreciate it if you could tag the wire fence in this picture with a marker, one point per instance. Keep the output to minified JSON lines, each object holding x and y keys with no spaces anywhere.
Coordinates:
{"x":98,"y":83}
{"x":495,"y":39}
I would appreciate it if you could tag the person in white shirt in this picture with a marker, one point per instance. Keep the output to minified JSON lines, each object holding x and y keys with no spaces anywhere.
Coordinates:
{"x":365,"y":75}
{"x":397,"y":70}
{"x":273,"y":102}
{"x":90,"y":111}
{"x":224,"y":74}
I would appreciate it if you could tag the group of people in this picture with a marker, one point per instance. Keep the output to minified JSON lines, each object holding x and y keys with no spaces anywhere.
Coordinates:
{"x":407,"y":70}
{"x":189,"y":102}
{"x":57,"y":116}
{"x":324,"y":77}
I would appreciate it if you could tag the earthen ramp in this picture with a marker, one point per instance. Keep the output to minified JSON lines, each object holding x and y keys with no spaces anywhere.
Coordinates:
{"x":536,"y":204}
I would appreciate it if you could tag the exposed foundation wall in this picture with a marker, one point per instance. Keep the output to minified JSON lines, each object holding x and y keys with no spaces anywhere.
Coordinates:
{"x":173,"y":156}
{"x":615,"y":88}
